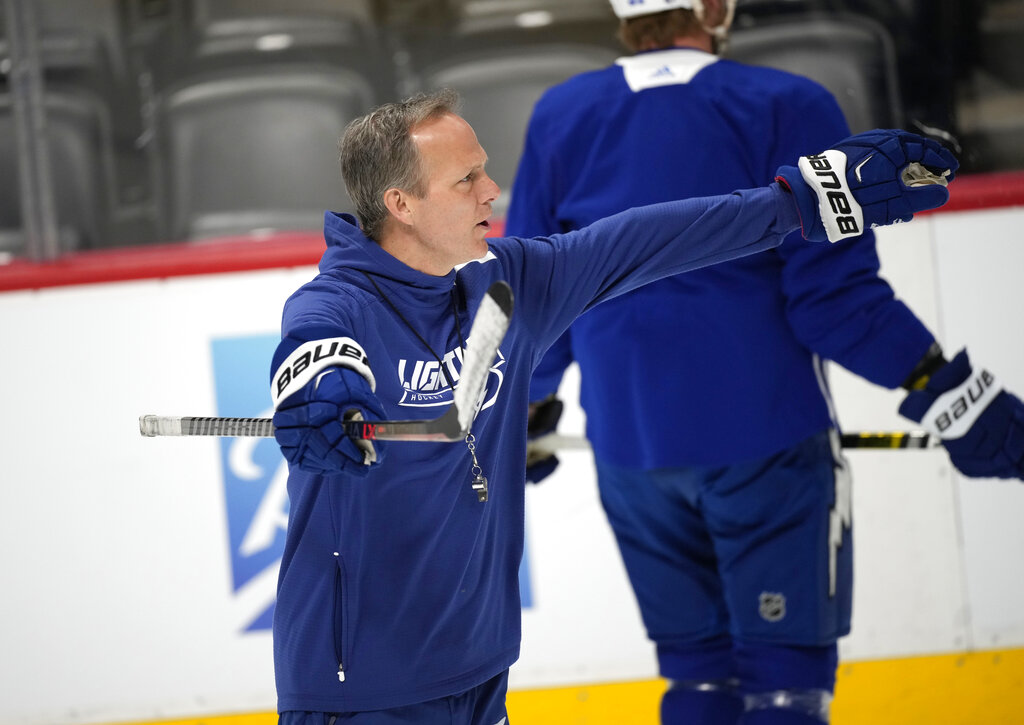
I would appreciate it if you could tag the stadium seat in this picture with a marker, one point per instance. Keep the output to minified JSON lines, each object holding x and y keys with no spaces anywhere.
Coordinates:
{"x":499,"y":90}
{"x":850,"y":55}
{"x":240,"y":26}
{"x":589,"y":22}
{"x":77,"y":40}
{"x":228,"y":35}
{"x":254,"y":148}
{"x":81,"y":163}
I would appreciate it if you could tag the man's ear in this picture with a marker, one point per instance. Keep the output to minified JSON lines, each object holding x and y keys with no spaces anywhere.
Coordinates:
{"x":717,"y":13}
{"x":712,"y":13}
{"x":397,"y":202}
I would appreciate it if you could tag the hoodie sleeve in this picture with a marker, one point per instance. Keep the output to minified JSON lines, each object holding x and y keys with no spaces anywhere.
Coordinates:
{"x":548,"y":375}
{"x":320,"y":310}
{"x":557,"y":278}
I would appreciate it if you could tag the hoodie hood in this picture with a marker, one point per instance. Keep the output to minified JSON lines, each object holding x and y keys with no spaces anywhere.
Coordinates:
{"x":349,"y":249}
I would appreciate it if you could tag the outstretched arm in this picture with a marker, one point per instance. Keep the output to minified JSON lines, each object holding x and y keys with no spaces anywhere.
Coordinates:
{"x":867,"y":184}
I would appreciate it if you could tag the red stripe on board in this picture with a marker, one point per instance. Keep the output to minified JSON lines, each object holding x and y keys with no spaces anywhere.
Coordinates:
{"x":236,"y":254}
{"x":985,"y":191}
{"x":295,"y":249}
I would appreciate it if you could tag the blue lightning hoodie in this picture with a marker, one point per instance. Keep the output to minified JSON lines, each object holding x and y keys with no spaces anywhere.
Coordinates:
{"x":400,"y":586}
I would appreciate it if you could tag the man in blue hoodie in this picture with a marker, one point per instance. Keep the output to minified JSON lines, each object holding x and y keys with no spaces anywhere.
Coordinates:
{"x":398,"y":595}
{"x":720,"y":471}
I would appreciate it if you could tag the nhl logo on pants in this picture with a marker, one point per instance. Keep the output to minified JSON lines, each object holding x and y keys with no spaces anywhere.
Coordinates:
{"x":772,"y":606}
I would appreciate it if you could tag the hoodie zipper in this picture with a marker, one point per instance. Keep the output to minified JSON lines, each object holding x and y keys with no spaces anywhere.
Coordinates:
{"x":337,"y":620}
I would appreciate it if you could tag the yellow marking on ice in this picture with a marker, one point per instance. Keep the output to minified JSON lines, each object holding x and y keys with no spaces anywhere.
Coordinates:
{"x":981,"y":688}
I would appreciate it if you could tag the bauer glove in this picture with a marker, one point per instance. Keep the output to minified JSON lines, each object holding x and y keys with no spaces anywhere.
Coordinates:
{"x":979,"y":423}
{"x":869,"y":180}
{"x":318,"y":386}
{"x":307,"y":424}
{"x":543,"y":419}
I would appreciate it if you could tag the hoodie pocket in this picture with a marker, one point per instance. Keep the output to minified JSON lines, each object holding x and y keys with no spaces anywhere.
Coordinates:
{"x":338,"y":618}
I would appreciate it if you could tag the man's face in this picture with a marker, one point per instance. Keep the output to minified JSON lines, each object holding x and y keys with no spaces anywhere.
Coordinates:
{"x":450,"y":221}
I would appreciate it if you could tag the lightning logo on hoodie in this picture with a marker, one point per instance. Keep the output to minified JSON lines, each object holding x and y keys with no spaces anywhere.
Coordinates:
{"x":424,"y":383}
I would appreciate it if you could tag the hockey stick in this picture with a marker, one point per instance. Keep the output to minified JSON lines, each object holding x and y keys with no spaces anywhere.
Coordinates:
{"x":554,"y":442}
{"x":485,"y":335}
{"x":890,"y":440}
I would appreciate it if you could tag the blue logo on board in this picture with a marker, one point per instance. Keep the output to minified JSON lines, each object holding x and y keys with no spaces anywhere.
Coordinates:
{"x":255,"y":480}
{"x":255,"y":477}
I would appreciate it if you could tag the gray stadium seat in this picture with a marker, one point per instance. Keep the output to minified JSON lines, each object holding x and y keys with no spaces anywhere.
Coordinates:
{"x":78,"y":38}
{"x":755,"y":12}
{"x":852,"y":56}
{"x":208,"y":11}
{"x":255,"y":148}
{"x":232,"y":26}
{"x":572,"y":21}
{"x":228,"y":35}
{"x":81,"y":162}
{"x":499,"y":90}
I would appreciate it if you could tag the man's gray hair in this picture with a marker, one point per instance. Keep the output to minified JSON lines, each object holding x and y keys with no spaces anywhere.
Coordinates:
{"x":377,"y":154}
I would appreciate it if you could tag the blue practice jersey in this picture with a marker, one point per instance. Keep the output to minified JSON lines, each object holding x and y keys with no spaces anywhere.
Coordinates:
{"x":721,"y":365}
{"x":401,"y":587}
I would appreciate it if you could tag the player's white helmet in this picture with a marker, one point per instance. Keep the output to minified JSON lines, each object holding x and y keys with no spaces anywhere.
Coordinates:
{"x":632,"y":8}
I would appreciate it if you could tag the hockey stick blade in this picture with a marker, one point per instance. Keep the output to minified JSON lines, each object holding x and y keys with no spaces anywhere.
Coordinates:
{"x":891,"y":440}
{"x":485,"y":336}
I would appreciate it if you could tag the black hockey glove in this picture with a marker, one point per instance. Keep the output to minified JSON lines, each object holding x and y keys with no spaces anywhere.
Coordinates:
{"x":543,"y":419}
{"x":869,"y":180}
{"x":979,"y":423}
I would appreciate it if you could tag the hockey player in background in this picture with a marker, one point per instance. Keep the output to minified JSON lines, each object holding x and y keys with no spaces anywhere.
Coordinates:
{"x":718,"y":459}
{"x":398,"y":596}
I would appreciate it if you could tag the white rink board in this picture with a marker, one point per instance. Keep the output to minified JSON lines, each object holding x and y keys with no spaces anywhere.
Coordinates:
{"x":980,"y":271}
{"x":117,"y":592}
{"x":118,"y":570}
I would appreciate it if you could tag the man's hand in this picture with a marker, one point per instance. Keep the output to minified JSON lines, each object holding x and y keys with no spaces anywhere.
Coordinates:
{"x":543,"y":419}
{"x":980,"y":424}
{"x":307,"y":424}
{"x":869,"y":180}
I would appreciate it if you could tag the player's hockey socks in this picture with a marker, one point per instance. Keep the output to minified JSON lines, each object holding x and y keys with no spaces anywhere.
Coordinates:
{"x":869,"y":180}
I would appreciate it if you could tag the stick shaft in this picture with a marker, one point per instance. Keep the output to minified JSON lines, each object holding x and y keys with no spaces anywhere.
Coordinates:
{"x":890,"y":440}
{"x":885,"y":440}
{"x":405,"y":430}
{"x":233,"y":427}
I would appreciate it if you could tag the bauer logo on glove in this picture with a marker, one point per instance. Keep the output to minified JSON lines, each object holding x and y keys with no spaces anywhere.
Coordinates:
{"x":869,"y":180}
{"x":841,"y":215}
{"x":310,"y":358}
{"x":955,"y":411}
{"x":980,"y":424}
